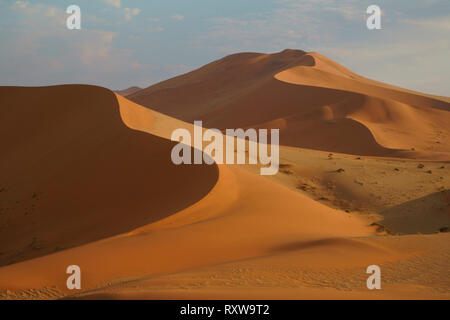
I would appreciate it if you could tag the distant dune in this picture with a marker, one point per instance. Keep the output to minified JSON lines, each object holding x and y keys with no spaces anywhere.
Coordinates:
{"x":127,"y":92}
{"x":317,"y":104}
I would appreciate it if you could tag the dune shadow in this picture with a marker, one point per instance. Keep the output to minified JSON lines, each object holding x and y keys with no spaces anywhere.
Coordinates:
{"x":423,"y":215}
{"x":72,"y":172}
{"x":322,"y":243}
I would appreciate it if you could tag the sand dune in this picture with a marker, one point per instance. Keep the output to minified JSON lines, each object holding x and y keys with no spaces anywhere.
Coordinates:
{"x":317,"y":103}
{"x":230,"y":223}
{"x":73,"y":173}
{"x":225,"y":226}
{"x":289,"y":275}
{"x":397,"y":118}
{"x":403,"y":196}
{"x":86,"y":178}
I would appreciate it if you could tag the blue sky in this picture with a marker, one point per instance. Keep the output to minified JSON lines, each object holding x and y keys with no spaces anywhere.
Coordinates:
{"x":140,"y":42}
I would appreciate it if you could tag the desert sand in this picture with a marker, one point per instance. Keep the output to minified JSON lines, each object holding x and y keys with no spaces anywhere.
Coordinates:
{"x":316,"y":103}
{"x":86,"y":179}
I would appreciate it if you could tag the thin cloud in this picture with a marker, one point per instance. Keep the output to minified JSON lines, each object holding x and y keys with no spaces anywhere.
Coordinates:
{"x":155,"y":29}
{"x":33,"y":15}
{"x":338,"y":29}
{"x":440,"y":24}
{"x":114,"y":3}
{"x":178,"y":17}
{"x":129,"y":13}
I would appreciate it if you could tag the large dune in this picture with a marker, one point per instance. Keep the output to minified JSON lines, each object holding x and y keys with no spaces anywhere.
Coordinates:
{"x":86,"y":178}
{"x":315,"y":102}
{"x":72,"y":172}
{"x":113,"y":194}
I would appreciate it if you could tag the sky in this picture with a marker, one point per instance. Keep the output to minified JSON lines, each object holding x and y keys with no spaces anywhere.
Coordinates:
{"x":123,"y":43}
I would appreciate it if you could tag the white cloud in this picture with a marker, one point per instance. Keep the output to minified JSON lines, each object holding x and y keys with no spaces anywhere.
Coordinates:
{"x":21,"y":4}
{"x":42,"y":51}
{"x":408,"y":52}
{"x":348,"y":12}
{"x":440,"y":24}
{"x":177,"y":17}
{"x":268,"y":32}
{"x":399,"y":59}
{"x":114,"y":3}
{"x":155,"y":29}
{"x":36,"y":14}
{"x":129,"y":13}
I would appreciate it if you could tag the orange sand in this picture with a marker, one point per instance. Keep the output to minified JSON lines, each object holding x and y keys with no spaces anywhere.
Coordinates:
{"x":88,"y":180}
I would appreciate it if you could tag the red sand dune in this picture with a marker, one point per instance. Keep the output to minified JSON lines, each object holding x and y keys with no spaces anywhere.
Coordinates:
{"x":316,"y":103}
{"x":74,"y":173}
{"x":95,"y":179}
{"x":89,"y":172}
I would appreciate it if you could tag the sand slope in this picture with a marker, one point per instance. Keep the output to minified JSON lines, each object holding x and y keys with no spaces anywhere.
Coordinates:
{"x":243,"y":216}
{"x":72,"y":172}
{"x":92,"y":171}
{"x":316,"y":103}
{"x":291,"y":275}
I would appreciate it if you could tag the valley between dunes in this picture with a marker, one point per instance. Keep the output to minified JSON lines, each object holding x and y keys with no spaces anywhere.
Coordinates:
{"x":86,"y":178}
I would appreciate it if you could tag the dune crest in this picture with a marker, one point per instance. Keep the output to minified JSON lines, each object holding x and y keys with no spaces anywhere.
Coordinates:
{"x":87,"y":179}
{"x":317,"y":104}
{"x":73,"y":173}
{"x":242,"y":216}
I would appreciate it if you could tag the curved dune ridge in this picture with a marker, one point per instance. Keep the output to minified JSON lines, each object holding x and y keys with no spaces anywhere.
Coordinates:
{"x":73,"y":173}
{"x":86,"y":178}
{"x":81,"y":176}
{"x":316,"y":103}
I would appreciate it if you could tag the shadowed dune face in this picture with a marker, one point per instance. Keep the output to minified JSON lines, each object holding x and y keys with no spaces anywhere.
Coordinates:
{"x":194,"y":95}
{"x":434,"y":209}
{"x":97,"y":178}
{"x":81,"y":163}
{"x":315,"y":102}
{"x":71,"y":172}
